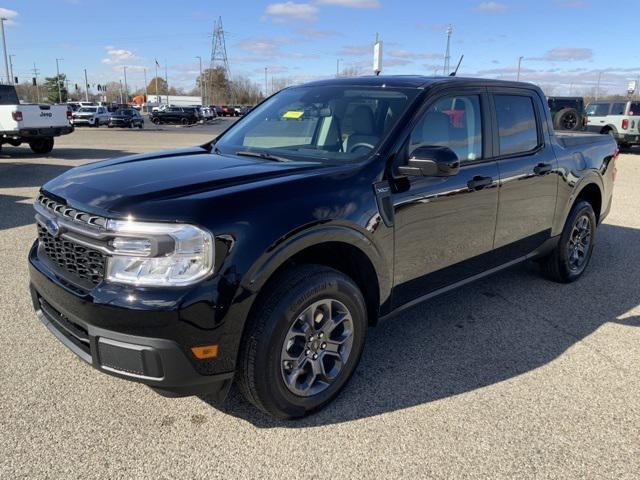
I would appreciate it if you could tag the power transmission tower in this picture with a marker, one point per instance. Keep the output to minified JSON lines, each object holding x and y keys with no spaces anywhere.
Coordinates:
{"x":447,"y":55}
{"x":218,"y":55}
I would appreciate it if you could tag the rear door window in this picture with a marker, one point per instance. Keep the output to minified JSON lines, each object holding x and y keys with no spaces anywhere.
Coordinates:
{"x":598,"y":110}
{"x":634,"y":109}
{"x":618,"y":108}
{"x":517,"y":125}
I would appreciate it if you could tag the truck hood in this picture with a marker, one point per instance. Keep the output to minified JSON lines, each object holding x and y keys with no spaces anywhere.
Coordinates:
{"x":117,"y":186}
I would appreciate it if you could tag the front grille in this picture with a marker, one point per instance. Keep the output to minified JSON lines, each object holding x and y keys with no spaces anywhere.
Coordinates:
{"x":81,"y":262}
{"x":71,"y":213}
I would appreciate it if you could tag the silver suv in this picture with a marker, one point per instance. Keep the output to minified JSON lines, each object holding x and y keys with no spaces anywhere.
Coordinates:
{"x":619,"y":119}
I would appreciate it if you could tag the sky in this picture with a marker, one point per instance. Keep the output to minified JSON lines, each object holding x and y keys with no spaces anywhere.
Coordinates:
{"x":565,"y":44}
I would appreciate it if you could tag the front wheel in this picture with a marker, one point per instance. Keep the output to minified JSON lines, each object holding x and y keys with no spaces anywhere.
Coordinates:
{"x":303,"y":341}
{"x":41,"y":145}
{"x":568,"y":261}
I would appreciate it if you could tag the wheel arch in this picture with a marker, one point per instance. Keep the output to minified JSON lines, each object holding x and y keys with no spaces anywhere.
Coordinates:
{"x":589,"y":190}
{"x":343,"y":248}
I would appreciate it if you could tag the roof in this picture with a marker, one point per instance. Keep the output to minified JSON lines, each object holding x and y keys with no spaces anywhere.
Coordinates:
{"x":410,"y":81}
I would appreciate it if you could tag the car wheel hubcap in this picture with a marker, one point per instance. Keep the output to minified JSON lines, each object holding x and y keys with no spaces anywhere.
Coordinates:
{"x":317,"y":347}
{"x":579,"y":243}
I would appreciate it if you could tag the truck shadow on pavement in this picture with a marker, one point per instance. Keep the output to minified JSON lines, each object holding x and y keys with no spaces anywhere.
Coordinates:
{"x":62,"y":153}
{"x":482,"y":334}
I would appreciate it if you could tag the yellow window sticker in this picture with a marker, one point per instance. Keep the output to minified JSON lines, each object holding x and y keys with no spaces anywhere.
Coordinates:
{"x":292,"y":114}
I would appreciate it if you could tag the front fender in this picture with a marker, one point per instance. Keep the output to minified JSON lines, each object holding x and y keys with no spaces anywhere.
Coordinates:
{"x":290,"y":245}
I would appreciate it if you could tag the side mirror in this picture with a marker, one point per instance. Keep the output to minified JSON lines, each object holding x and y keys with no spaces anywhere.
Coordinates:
{"x":431,"y":161}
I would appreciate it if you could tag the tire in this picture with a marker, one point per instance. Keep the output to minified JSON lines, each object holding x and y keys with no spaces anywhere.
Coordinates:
{"x":184,"y":121}
{"x":567,"y":119}
{"x":141,"y":125}
{"x":263,"y":363}
{"x":155,"y":121}
{"x":559,"y":265}
{"x":41,"y":145}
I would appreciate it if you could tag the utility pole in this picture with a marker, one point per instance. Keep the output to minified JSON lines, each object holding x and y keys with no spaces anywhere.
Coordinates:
{"x":519,"y":64}
{"x":146,"y":94}
{"x":447,"y":55}
{"x":158,"y":99}
{"x":338,"y":67}
{"x":13,"y":79}
{"x":166,"y":79}
{"x":121,"y":92}
{"x":265,"y":82}
{"x":58,"y":79}
{"x":4,"y":48}
{"x":35,"y":77}
{"x":200,"y":80}
{"x":598,"y":85}
{"x":86,"y":86}
{"x":126,"y":88}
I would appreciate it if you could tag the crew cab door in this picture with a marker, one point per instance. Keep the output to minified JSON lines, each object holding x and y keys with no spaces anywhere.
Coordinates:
{"x":444,"y":226}
{"x":528,"y":172}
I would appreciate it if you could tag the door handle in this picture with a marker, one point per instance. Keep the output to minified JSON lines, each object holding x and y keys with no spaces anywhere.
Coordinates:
{"x":478,"y":182}
{"x":542,"y":168}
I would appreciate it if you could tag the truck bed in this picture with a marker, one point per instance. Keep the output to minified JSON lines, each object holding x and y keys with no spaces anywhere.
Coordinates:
{"x":573,"y":139}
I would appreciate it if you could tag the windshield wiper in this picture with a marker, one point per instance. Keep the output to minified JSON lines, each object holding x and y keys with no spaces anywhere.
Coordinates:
{"x":263,"y":155}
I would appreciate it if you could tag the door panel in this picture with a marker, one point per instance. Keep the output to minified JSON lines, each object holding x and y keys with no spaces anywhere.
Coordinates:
{"x":444,"y":231}
{"x":528,"y":176}
{"x":444,"y":226}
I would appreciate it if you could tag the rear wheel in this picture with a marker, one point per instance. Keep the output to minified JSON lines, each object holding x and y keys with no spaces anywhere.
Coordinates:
{"x":303,"y":341}
{"x":570,"y":258}
{"x":184,"y":121}
{"x":41,"y":145}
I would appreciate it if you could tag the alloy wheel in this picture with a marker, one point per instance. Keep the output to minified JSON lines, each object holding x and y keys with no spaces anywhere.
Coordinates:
{"x":579,"y":243}
{"x":317,"y":347}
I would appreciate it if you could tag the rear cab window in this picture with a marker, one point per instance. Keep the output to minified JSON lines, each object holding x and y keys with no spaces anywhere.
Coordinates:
{"x":517,"y":124}
{"x":634,"y":109}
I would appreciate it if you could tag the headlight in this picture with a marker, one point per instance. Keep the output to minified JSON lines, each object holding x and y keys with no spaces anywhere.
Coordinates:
{"x":158,"y":254}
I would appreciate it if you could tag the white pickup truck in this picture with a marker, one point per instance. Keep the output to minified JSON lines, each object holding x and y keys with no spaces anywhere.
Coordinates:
{"x":31,"y":123}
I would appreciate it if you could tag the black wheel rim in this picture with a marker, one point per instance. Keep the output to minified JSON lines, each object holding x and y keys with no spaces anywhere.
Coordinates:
{"x":579,"y":245}
{"x":570,"y":121}
{"x":317,"y":347}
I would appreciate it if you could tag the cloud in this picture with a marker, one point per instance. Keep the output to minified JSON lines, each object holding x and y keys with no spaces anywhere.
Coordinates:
{"x":565,"y":54}
{"x":119,"y":56}
{"x":352,"y":3}
{"x":291,"y":11}
{"x":436,"y":27}
{"x":356,"y":50}
{"x":10,"y":15}
{"x":406,"y":54}
{"x":493,"y":7}
{"x":273,"y":69}
{"x":267,"y":46}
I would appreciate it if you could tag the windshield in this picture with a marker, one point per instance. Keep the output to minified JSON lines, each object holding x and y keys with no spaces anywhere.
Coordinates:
{"x":88,"y":109}
{"x":335,"y":123}
{"x":123,"y":112}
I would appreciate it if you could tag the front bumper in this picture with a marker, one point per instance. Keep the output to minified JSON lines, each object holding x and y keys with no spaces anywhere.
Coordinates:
{"x":113,"y":122}
{"x":82,"y":121}
{"x":126,"y":343}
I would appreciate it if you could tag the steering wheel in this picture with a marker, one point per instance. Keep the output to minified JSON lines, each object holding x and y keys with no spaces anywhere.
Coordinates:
{"x":360,"y":144}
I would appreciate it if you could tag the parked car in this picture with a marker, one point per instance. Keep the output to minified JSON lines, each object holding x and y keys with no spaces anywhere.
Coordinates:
{"x":181,"y":115}
{"x":246,"y":109}
{"x":237,"y":110}
{"x":126,"y":117}
{"x":160,"y":108}
{"x":226,"y":111}
{"x":566,"y":112}
{"x":265,"y":255}
{"x":620,"y":119}
{"x":35,"y":125}
{"x":91,"y":116}
{"x":208,"y":113}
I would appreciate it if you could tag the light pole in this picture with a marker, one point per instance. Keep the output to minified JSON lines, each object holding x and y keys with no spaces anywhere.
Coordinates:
{"x":13,"y":79}
{"x":265,"y":82}
{"x":4,"y":48}
{"x":200,"y":80}
{"x":126,"y":88}
{"x":519,"y":64}
{"x":598,"y":85}
{"x":58,"y":79}
{"x":338,"y":67}
{"x":86,"y":86}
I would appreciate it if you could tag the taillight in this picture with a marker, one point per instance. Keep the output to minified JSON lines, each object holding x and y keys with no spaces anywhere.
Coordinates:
{"x":585,"y":121}
{"x":625,"y":123}
{"x":17,"y":115}
{"x":69,"y":112}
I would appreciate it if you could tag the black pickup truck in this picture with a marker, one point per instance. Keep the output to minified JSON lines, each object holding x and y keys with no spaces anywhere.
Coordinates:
{"x":264,"y":255}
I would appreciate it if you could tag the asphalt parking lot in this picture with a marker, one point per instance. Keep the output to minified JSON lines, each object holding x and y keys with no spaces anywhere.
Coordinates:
{"x":511,"y":377}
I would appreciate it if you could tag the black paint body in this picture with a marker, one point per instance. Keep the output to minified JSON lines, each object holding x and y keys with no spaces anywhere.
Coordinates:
{"x":437,"y":232}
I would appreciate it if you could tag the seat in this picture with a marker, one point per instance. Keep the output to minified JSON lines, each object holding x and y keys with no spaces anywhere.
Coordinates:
{"x":363,"y":128}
